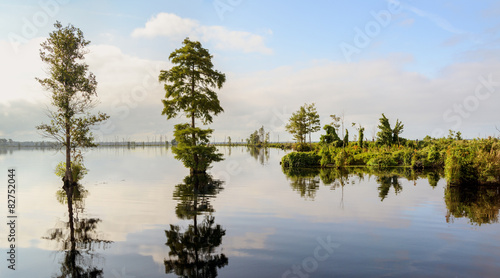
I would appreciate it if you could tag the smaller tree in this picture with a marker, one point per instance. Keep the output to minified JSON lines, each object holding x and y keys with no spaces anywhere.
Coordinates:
{"x":346,"y":138}
{"x":73,"y":91}
{"x":387,"y":135}
{"x":361,"y":134}
{"x":335,"y":122}
{"x":398,"y":129}
{"x":303,"y":122}
{"x":297,"y":125}
{"x":313,"y":122}
{"x":330,"y":137}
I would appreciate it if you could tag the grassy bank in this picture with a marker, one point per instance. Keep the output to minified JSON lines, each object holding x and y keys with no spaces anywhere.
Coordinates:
{"x":463,"y":161}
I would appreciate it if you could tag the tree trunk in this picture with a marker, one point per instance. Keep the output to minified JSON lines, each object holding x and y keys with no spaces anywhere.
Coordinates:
{"x":195,"y":156}
{"x":68,"y":177}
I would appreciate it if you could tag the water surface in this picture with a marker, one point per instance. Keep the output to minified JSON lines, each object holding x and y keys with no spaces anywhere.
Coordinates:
{"x":250,"y":219}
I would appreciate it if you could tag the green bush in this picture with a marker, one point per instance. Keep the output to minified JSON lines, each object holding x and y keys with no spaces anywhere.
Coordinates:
{"x":326,"y":154}
{"x":459,"y":167}
{"x":301,"y":159}
{"x":301,"y":147}
{"x":77,"y":169}
{"x":342,"y":159}
{"x":383,"y":160}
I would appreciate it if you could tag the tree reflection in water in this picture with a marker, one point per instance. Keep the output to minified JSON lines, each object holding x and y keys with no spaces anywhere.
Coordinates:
{"x":481,"y":204}
{"x":77,"y":238}
{"x":385,"y":184}
{"x":305,"y":181}
{"x":193,"y":253}
{"x":261,"y":154}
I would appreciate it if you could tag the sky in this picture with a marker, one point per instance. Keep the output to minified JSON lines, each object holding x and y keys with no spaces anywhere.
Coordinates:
{"x":434,"y":65}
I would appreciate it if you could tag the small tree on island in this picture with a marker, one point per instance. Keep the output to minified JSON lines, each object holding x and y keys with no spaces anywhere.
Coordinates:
{"x":388,"y":135}
{"x":73,"y":91}
{"x":189,"y":89}
{"x":297,"y":125}
{"x":303,"y":122}
{"x":313,"y":123}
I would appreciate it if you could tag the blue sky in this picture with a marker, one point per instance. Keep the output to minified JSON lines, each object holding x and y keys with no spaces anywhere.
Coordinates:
{"x":431,"y":64}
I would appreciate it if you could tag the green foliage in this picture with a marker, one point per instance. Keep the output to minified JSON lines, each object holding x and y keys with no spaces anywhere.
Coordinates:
{"x":387,"y":135}
{"x":73,"y":91}
{"x":361,"y":131}
{"x":326,"y":154}
{"x":198,"y":154}
{"x":301,"y":159}
{"x":312,"y":117}
{"x":302,"y":122}
{"x":459,"y":166}
{"x":481,"y":205}
{"x":487,"y":161}
{"x":384,"y":160}
{"x":330,"y":137}
{"x":189,"y":84}
{"x":297,"y":125}
{"x":78,"y":170}
{"x":346,"y":138}
{"x":301,"y":147}
{"x":341,"y":159}
{"x":258,"y":138}
{"x":189,"y":87}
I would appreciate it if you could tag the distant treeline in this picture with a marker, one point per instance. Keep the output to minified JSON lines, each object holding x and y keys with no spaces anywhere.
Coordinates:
{"x":9,"y":143}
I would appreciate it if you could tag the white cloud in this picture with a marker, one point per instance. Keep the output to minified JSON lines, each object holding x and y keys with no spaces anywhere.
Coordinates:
{"x":175,"y":27}
{"x":165,"y":24}
{"x":19,"y":69}
{"x":363,"y":91}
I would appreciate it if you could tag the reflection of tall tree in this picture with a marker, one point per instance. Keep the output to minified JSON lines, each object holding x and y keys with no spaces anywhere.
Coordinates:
{"x":192,"y":252}
{"x":385,"y":184}
{"x":194,"y":195}
{"x":305,"y":181}
{"x":78,"y":238}
{"x":336,"y":178}
{"x":481,"y":204}
{"x":261,"y":154}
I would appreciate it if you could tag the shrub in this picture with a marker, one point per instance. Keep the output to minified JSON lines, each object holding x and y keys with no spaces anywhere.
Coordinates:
{"x":326,"y":154}
{"x":341,"y":159}
{"x":459,"y":168}
{"x":383,"y":160}
{"x":301,"y":159}
{"x":301,"y":147}
{"x":77,"y":169}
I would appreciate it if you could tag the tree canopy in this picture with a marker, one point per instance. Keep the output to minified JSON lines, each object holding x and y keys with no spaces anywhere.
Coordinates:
{"x":303,"y":122}
{"x":189,"y":84}
{"x":388,"y":135}
{"x":73,"y":91}
{"x":189,"y":87}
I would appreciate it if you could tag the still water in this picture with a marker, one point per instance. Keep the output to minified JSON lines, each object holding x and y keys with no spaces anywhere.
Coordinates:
{"x":138,"y":213}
